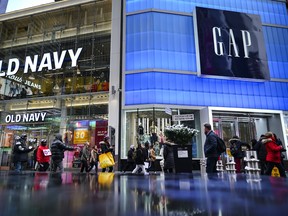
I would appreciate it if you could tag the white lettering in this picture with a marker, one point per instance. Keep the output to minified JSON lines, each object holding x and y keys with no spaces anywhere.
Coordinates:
{"x":8,"y":118}
{"x":29,"y":63}
{"x":58,"y":62}
{"x":25,"y":117}
{"x":45,"y":62}
{"x":43,"y":115}
{"x":233,"y":44}
{"x":37,"y":115}
{"x":3,"y":73}
{"x":217,"y":30}
{"x":31,"y":118}
{"x":75,"y":57}
{"x":12,"y":61}
{"x":18,"y":118}
{"x":246,"y":37}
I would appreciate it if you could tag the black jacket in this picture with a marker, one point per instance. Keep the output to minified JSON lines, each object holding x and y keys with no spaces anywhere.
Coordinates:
{"x":58,"y":148}
{"x":260,"y":148}
{"x":168,"y":156}
{"x":130,"y":155}
{"x":140,"y":156}
{"x":20,"y":152}
{"x":210,"y":146}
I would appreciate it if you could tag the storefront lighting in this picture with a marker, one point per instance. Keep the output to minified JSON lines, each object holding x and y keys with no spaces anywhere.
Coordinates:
{"x":86,"y":104}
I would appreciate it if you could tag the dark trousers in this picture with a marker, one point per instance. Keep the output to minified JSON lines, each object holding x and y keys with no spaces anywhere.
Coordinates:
{"x":238,"y":164}
{"x":129,"y":166}
{"x":92,"y":164}
{"x":270,"y":166}
{"x":263,"y":166}
{"x":152,"y":166}
{"x":168,"y":170}
{"x":84,"y":165}
{"x":211,"y":164}
{"x":110,"y":169}
{"x":43,"y":166}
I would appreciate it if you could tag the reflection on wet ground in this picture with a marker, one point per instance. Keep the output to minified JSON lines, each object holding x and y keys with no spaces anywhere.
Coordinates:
{"x":118,"y":194}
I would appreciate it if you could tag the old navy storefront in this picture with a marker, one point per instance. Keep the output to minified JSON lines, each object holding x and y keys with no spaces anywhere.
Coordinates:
{"x":54,"y":75}
{"x":222,"y":62}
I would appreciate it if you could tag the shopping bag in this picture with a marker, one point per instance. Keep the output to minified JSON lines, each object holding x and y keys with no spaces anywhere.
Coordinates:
{"x":275,"y":172}
{"x":106,"y":160}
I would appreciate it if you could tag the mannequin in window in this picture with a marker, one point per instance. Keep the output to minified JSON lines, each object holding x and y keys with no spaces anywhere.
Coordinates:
{"x":153,"y":132}
{"x":140,"y":132}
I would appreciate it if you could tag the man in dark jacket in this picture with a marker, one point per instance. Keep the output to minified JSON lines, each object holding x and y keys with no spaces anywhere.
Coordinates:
{"x":57,"y":150}
{"x":20,"y":151}
{"x":210,"y":149}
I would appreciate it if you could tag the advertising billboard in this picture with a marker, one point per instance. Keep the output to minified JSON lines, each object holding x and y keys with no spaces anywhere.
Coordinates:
{"x":230,"y":44}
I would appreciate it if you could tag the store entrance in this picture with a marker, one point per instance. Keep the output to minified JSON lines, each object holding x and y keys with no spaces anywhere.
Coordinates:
{"x":247,"y":126}
{"x":243,"y":127}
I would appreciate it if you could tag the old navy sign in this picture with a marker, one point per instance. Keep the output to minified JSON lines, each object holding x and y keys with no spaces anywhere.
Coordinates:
{"x":31,"y":62}
{"x":26,"y":118}
{"x":230,"y":44}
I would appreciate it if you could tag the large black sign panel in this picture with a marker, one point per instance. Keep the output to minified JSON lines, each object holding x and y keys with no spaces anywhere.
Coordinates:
{"x":230,"y":44}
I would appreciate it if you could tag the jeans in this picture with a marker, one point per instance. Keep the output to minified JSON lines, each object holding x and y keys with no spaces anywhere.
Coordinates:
{"x":57,"y":164}
{"x":18,"y":166}
{"x":211,"y":164}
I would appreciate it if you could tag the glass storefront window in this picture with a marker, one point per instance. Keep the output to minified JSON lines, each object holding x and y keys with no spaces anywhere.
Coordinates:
{"x":148,"y":126}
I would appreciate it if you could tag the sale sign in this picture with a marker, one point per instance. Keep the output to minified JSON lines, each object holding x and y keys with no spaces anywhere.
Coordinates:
{"x":81,"y":136}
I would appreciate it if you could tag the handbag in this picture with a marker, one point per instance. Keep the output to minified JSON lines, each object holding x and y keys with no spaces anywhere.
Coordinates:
{"x":106,"y":160}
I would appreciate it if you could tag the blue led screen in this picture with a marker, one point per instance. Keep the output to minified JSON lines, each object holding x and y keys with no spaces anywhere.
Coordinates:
{"x":185,"y":89}
{"x":270,"y":11}
{"x":165,"y":41}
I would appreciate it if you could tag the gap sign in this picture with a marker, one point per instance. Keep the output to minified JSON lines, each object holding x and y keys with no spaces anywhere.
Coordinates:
{"x":230,"y":44}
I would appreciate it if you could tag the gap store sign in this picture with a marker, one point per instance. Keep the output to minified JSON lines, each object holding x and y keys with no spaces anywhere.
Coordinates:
{"x":230,"y":44}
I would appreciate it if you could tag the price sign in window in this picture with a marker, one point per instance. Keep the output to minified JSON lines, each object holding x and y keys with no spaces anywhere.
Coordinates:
{"x":81,"y":136}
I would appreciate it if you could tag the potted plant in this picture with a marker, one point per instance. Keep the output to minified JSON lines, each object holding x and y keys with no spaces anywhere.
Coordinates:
{"x":180,"y":137}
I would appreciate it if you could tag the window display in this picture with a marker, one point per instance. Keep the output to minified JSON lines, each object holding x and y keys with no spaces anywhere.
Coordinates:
{"x":147,"y":126}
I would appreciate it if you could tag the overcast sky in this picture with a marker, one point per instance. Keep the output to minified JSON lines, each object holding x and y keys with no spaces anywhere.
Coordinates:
{"x":20,"y":4}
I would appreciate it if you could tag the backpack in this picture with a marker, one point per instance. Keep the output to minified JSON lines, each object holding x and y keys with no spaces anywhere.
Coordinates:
{"x":221,"y":147}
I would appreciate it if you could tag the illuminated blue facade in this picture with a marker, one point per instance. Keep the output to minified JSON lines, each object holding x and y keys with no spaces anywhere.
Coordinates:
{"x":160,"y":60}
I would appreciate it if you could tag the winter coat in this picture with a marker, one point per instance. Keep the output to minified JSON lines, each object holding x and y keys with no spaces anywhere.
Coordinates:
{"x":152,"y":155}
{"x":168,"y":156}
{"x":140,"y":156}
{"x":210,"y":146}
{"x":105,"y":147}
{"x":260,"y":148}
{"x":130,"y":155}
{"x":237,"y":148}
{"x":41,"y":158}
{"x":20,"y":152}
{"x":58,"y":148}
{"x":273,"y":150}
{"x":94,"y":155}
{"x":85,"y":153}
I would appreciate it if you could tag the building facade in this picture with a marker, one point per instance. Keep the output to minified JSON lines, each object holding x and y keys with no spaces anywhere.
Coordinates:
{"x":172,"y":65}
{"x":55,"y":71}
{"x":130,"y":68}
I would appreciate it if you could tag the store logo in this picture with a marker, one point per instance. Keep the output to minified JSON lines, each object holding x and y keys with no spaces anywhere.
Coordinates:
{"x":31,"y":63}
{"x":230,"y":44}
{"x":25,"y":118}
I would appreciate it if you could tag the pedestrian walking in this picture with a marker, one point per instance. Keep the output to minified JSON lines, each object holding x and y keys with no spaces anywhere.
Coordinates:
{"x":130,"y":165}
{"x":139,"y":160}
{"x":85,"y":157}
{"x":43,"y":155}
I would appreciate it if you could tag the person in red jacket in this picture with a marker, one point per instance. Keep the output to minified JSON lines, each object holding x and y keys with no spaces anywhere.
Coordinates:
{"x":273,"y":157}
{"x":43,"y":155}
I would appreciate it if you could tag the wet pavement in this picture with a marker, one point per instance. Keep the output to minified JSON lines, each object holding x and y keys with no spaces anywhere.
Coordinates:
{"x":72,"y":194}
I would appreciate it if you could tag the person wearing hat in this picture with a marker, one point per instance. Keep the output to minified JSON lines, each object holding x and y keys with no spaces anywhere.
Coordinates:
{"x":130,"y":165}
{"x":43,"y":155}
{"x":273,"y":157}
{"x":20,"y":151}
{"x":57,"y":149}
